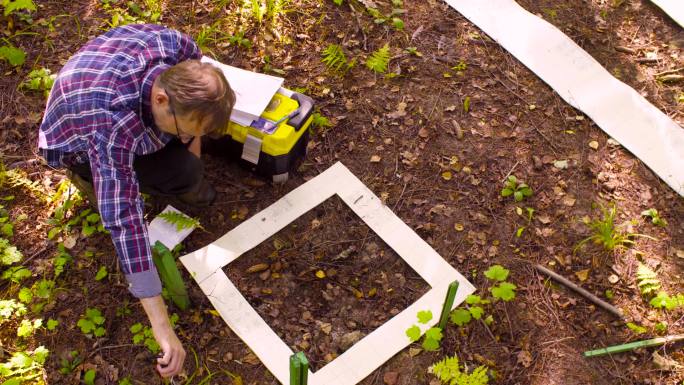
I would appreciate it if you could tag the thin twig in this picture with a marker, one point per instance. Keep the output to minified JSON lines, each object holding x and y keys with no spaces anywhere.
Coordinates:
{"x":591,"y":297}
{"x":509,"y":173}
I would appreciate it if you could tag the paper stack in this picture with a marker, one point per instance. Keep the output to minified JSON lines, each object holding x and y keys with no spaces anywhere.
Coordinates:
{"x":253,"y":91}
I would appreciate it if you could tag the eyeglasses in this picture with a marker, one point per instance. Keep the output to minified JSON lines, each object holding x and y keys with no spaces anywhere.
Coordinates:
{"x":182,"y":136}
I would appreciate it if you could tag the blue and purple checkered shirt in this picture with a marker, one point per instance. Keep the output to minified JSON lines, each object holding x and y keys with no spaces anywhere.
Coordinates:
{"x":99,"y":110}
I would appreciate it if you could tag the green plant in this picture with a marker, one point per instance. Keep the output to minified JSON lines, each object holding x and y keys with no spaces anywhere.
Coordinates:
{"x":24,"y":367}
{"x":338,"y":2}
{"x":92,"y":323}
{"x":26,"y":327}
{"x":102,"y":273}
{"x":655,"y":217}
{"x":637,"y":329}
{"x":125,"y":381}
{"x":449,"y":372}
{"x":18,"y":178}
{"x":70,"y":363}
{"x":512,"y":186}
{"x":664,"y":301}
{"x":473,"y":310}
{"x":319,"y":121}
{"x":9,"y":254}
{"x":61,"y":260}
{"x":51,"y":324}
{"x":335,"y":59}
{"x":460,"y":67}
{"x":466,"y":109}
{"x":11,"y":6}
{"x":506,"y":290}
{"x":607,"y":234}
{"x":257,"y":10}
{"x":39,"y":80}
{"x":379,"y":60}
{"x":238,"y":39}
{"x":413,"y":51}
{"x":132,"y":12}
{"x":13,"y":55}
{"x":432,"y":335}
{"x":89,"y":377}
{"x":10,"y":308}
{"x":6,"y":226}
{"x":180,"y":220}
{"x":142,"y":335}
{"x":647,"y":281}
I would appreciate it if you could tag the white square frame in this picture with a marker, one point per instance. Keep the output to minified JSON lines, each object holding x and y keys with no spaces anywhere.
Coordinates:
{"x":206,"y":267}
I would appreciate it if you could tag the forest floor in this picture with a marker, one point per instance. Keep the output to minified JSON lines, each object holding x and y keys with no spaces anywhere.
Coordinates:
{"x":435,"y":141}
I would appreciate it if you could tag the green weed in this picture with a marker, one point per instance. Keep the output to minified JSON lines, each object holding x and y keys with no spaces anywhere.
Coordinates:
{"x":655,"y":217}
{"x":70,"y":363}
{"x":512,"y":186}
{"x":432,"y":335}
{"x":379,"y":60}
{"x":607,"y":234}
{"x":449,"y":372}
{"x":335,"y":59}
{"x":24,"y":367}
{"x":39,"y":80}
{"x":91,"y":323}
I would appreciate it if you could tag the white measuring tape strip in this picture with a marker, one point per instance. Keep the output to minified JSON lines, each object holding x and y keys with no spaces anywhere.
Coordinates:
{"x":582,"y":82}
{"x":674,"y":8}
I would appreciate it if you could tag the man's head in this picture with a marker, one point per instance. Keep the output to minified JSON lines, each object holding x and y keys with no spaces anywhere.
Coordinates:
{"x":191,"y":99}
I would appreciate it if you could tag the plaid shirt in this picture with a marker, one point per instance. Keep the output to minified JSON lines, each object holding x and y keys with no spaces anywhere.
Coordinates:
{"x":99,"y":110}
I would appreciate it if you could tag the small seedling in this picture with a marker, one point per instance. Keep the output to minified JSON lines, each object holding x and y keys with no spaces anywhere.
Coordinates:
{"x":70,"y":363}
{"x":379,"y":60}
{"x":335,"y":59}
{"x":518,"y":189}
{"x":26,"y":327}
{"x":449,"y":372}
{"x":39,"y":80}
{"x":432,"y":336}
{"x":102,"y":273}
{"x":474,"y":310}
{"x":655,"y":217}
{"x":10,"y":308}
{"x":637,"y":329}
{"x":91,"y":323}
{"x":24,"y":367}
{"x":413,"y":51}
{"x":607,"y":234}
{"x":319,"y":121}
{"x":647,"y":281}
{"x":89,"y":377}
{"x":142,"y":335}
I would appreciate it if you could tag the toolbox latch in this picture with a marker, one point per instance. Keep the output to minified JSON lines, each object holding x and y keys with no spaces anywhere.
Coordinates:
{"x":251,"y":149}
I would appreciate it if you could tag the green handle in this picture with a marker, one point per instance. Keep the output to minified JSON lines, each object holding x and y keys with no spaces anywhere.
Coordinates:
{"x":170,"y":276}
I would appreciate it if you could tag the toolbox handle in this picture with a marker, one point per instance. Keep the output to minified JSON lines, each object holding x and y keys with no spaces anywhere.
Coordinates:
{"x":306,"y":105}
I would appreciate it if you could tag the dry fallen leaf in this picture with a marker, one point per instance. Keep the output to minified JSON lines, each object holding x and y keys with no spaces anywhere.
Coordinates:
{"x":446,"y":175}
{"x":259,"y":267}
{"x":423,"y":133}
{"x":594,"y":144}
{"x":525,"y":358}
{"x":458,"y":227}
{"x":326,"y":327}
{"x":582,"y":275}
{"x":320,"y":274}
{"x":375,"y":159}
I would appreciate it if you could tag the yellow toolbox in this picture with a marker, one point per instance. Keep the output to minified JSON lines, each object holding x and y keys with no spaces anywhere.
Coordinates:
{"x":274,"y":144}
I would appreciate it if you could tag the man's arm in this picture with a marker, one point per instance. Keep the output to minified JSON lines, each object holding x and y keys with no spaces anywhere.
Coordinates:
{"x":121,"y":209}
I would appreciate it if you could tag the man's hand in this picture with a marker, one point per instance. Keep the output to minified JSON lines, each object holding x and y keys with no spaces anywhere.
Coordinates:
{"x":171,"y":363}
{"x":196,"y":146}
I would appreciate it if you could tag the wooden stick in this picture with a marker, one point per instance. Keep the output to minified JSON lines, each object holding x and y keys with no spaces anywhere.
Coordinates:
{"x":594,"y":299}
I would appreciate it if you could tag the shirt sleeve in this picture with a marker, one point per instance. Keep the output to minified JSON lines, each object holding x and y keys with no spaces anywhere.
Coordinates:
{"x":120,"y":203}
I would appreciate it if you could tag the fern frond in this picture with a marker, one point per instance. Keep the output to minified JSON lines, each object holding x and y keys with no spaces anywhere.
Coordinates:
{"x":335,"y":59}
{"x":647,"y":280}
{"x":379,"y":60}
{"x":180,"y":220}
{"x":449,"y":372}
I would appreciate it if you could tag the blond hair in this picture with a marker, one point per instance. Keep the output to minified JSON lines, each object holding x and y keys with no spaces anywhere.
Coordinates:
{"x":201,"y":91}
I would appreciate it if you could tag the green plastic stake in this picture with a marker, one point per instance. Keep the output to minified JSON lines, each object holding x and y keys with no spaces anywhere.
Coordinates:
{"x":634,"y":345}
{"x":170,"y":276}
{"x":295,"y":370}
{"x":448,"y":303}
{"x":304,"y":368}
{"x":299,"y":369}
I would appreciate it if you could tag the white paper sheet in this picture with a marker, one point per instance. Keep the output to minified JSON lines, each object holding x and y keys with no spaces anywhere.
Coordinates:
{"x":206,"y":265}
{"x":582,"y":82}
{"x":253,"y":91}
{"x":674,"y":8}
{"x":165,"y":232}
